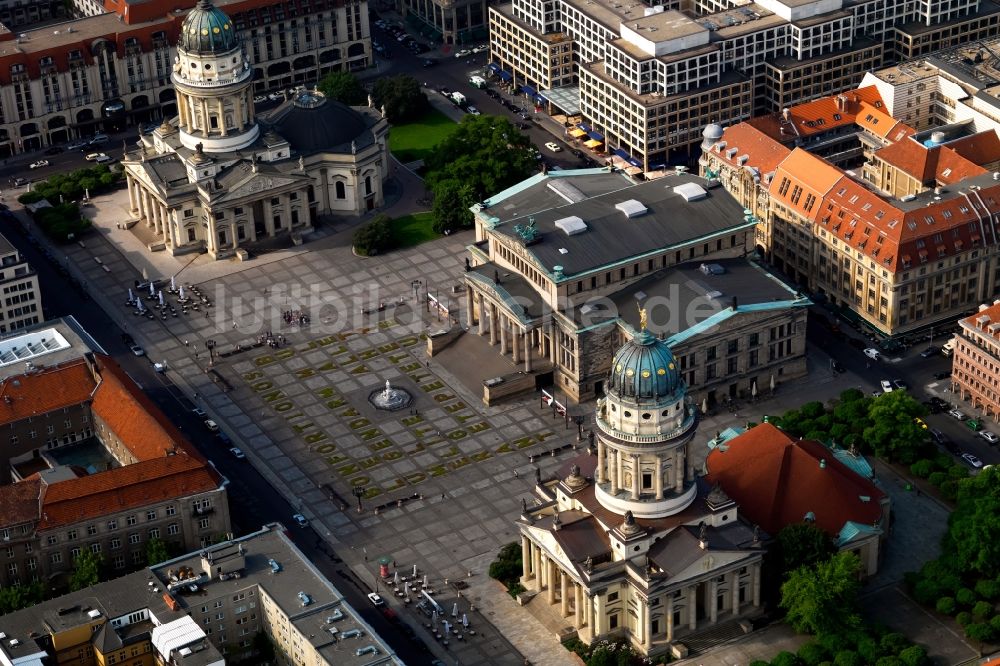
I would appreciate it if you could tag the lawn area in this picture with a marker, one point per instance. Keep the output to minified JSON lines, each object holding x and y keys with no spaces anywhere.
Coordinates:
{"x":414,"y":141}
{"x":411,"y":230}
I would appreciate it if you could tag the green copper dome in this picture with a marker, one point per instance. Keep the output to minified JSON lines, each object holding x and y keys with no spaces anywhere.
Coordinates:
{"x":644,"y":369}
{"x":207,"y":31}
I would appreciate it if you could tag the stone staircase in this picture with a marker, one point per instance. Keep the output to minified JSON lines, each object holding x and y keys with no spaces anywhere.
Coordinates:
{"x":710,"y":638}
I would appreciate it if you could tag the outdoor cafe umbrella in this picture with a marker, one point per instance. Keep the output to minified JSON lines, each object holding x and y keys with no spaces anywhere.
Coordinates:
{"x":753,"y":389}
{"x":152,"y":289}
{"x":454,"y":609}
{"x":704,"y":405}
{"x":130,"y":296}
{"x":465,"y":620}
{"x":173,"y":285}
{"x":772,"y":383}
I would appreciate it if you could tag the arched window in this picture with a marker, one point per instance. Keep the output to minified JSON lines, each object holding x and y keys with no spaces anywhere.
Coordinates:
{"x":340,"y":190}
{"x":368,"y":185}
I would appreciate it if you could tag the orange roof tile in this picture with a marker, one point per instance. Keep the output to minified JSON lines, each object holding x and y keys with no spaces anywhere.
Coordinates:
{"x":876,"y":121}
{"x":992,"y":314}
{"x":123,"y":488}
{"x":133,"y":417}
{"x":763,"y":152}
{"x":819,"y":115}
{"x":981,"y":149}
{"x":777,"y":480}
{"x":802,"y":180}
{"x":44,"y":390}
{"x":929,"y":165}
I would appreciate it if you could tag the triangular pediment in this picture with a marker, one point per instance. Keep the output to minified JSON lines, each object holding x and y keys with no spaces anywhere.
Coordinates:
{"x":255,"y":183}
{"x":548,"y":543}
{"x":710,"y":561}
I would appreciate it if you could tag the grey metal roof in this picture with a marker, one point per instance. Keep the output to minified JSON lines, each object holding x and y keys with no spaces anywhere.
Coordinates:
{"x":611,"y":237}
{"x":313,"y":124}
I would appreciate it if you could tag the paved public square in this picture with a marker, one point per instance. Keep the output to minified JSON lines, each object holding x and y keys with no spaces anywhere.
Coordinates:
{"x":298,"y":344}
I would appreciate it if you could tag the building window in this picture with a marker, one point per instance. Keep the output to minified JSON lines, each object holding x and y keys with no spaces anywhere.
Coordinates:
{"x":116,"y":543}
{"x":172,"y":529}
{"x":55,"y":558}
{"x":170,"y":510}
{"x":131,"y":520}
{"x":204,"y":523}
{"x":133,"y":538}
{"x":154,"y":532}
{"x":95,"y":548}
{"x":112,"y":524}
{"x":151,"y":514}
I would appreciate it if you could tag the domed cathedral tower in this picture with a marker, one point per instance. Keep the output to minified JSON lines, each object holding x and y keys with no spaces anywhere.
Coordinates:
{"x":214,"y":83}
{"x":644,"y":429}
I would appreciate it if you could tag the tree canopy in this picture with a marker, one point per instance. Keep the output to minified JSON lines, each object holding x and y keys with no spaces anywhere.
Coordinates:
{"x":16,"y":597}
{"x":803,"y":544}
{"x":156,"y":552}
{"x":86,"y":570}
{"x":402,"y":98}
{"x":343,"y":87}
{"x":823,"y":599}
{"x":892,"y":432}
{"x":973,"y":539}
{"x":485,"y":153}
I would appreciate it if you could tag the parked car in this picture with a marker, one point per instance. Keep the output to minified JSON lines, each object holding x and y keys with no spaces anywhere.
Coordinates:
{"x":237,"y":453}
{"x":77,"y":145}
{"x":199,"y":412}
{"x":553,"y":146}
{"x":98,"y":139}
{"x":930,"y":351}
{"x":972,"y":460}
{"x":473,"y":111}
{"x":104,"y":159}
{"x":942,"y":375}
{"x":975,"y":425}
{"x":38,"y":164}
{"x":957,"y":413}
{"x":211,"y":425}
{"x":137,"y":350}
{"x":886,"y":386}
{"x":376,"y":599}
{"x":20,"y":181}
{"x":92,"y":157}
{"x":224,"y":438}
{"x":989,"y":436}
{"x":932,"y":407}
{"x":920,"y":422}
{"x":941,"y":404}
{"x":300,"y":520}
{"x":900,"y":384}
{"x":872,"y":353}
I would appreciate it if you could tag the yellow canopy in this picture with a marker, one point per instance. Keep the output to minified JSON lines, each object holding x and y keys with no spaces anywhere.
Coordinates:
{"x":576,"y":133}
{"x":593,"y":143}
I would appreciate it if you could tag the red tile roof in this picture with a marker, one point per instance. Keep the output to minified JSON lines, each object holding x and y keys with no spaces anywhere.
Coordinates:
{"x":123,"y":488}
{"x":133,"y":417}
{"x":802,"y":180}
{"x":763,"y":152}
{"x":981,"y":149}
{"x":938,"y":165}
{"x":44,"y":390}
{"x":777,"y":480}
{"x":819,"y":116}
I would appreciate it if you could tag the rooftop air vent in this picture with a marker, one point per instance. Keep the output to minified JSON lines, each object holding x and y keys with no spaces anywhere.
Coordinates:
{"x":571,"y":225}
{"x":632,"y":208}
{"x":690,"y":191}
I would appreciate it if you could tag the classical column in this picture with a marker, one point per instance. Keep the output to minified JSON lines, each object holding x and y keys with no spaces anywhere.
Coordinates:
{"x":678,"y":473}
{"x":577,"y":605}
{"x":470,"y":313}
{"x":563,"y":593}
{"x":755,"y":583}
{"x":553,"y":343}
{"x":599,"y":613}
{"x":494,"y":320}
{"x":527,"y":352}
{"x":588,"y":599}
{"x":713,"y":598}
{"x":734,"y":578}
{"x":599,"y":472}
{"x":238,"y":113}
{"x":670,"y":617}
{"x":549,"y":578}
{"x":692,"y":606}
{"x":620,"y":468}
{"x":268,"y":218}
{"x":503,"y":335}
{"x":515,"y":342}
{"x":613,"y":471}
{"x":658,"y":478}
{"x":482,"y":313}
{"x":646,"y":624}
{"x":287,"y":198}
{"x":525,"y":557}
{"x":536,"y":566}
{"x":206,"y":124}
{"x":636,"y":477}
{"x":131,"y":193}
{"x":149,"y":210}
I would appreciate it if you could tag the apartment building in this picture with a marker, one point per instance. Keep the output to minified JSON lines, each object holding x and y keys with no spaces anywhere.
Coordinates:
{"x":975,"y":368}
{"x":21,"y":303}
{"x":448,"y":21}
{"x":891,"y":224}
{"x":90,"y":463}
{"x":563,"y":263}
{"x":201,"y":609}
{"x":111,"y":70}
{"x":644,"y":80}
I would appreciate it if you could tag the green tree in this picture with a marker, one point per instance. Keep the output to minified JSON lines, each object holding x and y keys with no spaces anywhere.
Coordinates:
{"x":892,"y":432}
{"x":485,"y":153}
{"x":803,"y":544}
{"x":156,"y":552}
{"x":86,"y":570}
{"x":452,"y":200}
{"x":343,"y":87}
{"x":16,"y":597}
{"x":972,"y":543}
{"x":402,"y":98}
{"x":914,"y":656}
{"x":374,"y":237}
{"x":823,"y":599}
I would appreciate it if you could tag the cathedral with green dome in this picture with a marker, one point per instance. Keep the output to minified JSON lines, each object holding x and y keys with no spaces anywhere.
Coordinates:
{"x":628,"y":541}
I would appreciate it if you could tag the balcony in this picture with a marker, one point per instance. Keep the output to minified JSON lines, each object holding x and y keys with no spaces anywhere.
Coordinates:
{"x":201,"y":512}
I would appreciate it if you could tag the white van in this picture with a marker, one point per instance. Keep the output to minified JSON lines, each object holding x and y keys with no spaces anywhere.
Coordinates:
{"x":477,"y":82}
{"x":948,"y":348}
{"x":458,"y":98}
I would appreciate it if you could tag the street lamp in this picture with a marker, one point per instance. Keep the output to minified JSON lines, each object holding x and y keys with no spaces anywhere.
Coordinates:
{"x":415,"y":284}
{"x":359,"y":492}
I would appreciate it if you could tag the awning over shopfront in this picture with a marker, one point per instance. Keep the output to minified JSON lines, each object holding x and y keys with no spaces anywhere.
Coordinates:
{"x":628,"y":158}
{"x":584,"y":127}
{"x":565,"y":99}
{"x":576,"y":133}
{"x":531,"y":92}
{"x":596,"y":136}
{"x":592,"y":143}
